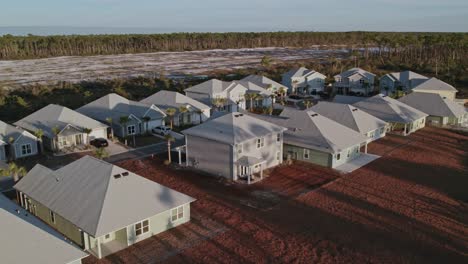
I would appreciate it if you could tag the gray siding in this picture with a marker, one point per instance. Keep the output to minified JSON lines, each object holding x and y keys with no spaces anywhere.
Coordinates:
{"x":315,"y":156}
{"x":17,"y":147}
{"x":2,"y":153}
{"x":210,"y":156}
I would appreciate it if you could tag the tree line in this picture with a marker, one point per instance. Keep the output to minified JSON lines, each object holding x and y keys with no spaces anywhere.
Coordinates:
{"x":427,"y":45}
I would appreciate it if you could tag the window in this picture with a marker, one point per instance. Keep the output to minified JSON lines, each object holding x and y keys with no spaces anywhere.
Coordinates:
{"x":63,"y":141}
{"x":278,"y":137}
{"x":260,"y":142}
{"x":177,"y":213}
{"x":361,"y":81}
{"x":239,"y":148}
{"x":26,"y":149}
{"x":306,"y":154}
{"x":357,"y":150}
{"x":338,"y":156}
{"x":278,"y":155}
{"x":142,"y":227}
{"x":131,"y":130}
{"x":349,"y":153}
{"x":107,"y":236}
{"x":52,"y":217}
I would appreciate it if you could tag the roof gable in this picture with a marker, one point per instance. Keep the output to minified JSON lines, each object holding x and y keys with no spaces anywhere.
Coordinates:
{"x":434,"y":84}
{"x":433,"y":104}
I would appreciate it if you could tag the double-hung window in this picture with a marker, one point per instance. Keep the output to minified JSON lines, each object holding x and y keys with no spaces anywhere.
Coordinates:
{"x":338,"y":156}
{"x":142,"y":227}
{"x":26,"y":149}
{"x":278,"y":155}
{"x":177,"y":213}
{"x":260,"y":142}
{"x":306,"y":154}
{"x":131,"y":130}
{"x":52,"y":217}
{"x":278,"y":137}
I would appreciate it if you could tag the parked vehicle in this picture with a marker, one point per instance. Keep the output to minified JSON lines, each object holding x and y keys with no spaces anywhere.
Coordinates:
{"x":161,"y":130}
{"x":99,"y":142}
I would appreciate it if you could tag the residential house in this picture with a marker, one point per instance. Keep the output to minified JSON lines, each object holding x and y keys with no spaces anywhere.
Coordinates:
{"x":235,"y":146}
{"x":347,"y":99}
{"x":314,"y":138}
{"x":351,"y":117}
{"x":262,"y":98}
{"x":355,"y":81}
{"x":128,"y":117}
{"x":195,"y":111}
{"x":434,"y":85}
{"x":62,"y":127}
{"x":266,"y":83}
{"x":442,"y":111}
{"x":16,"y":143}
{"x":303,"y":80}
{"x":400,"y":81}
{"x":401,"y":117}
{"x":229,"y":95}
{"x":101,"y":207}
{"x":26,"y":239}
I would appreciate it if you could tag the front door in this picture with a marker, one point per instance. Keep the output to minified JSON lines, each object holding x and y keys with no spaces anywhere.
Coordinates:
{"x":78,"y":139}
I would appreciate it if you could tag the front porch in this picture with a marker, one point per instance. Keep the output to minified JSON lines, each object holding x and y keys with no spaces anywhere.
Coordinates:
{"x":108,"y":244}
{"x":250,"y":170}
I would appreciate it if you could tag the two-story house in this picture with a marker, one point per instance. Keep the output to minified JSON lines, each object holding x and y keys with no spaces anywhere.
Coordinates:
{"x":266,"y":83}
{"x":235,"y":146}
{"x":126,"y":117}
{"x":400,"y":81}
{"x":303,"y":80}
{"x":355,"y":81}
{"x":99,"y":206}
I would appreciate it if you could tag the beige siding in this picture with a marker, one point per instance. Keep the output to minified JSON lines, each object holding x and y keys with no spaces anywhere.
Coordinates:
{"x":315,"y":157}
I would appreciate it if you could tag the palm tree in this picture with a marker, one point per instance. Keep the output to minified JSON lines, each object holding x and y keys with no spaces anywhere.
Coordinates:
{"x":282,"y":91}
{"x":101,"y":153}
{"x":39,"y":134}
{"x":87,"y":131}
{"x":266,"y":61}
{"x":307,"y":104}
{"x":182,"y":111}
{"x":169,"y":138}
{"x":110,"y":122}
{"x":123,"y":120}
{"x":219,"y":102}
{"x":250,"y":97}
{"x":56,"y":131}
{"x":15,"y":171}
{"x":258,"y":97}
{"x":170,"y":112}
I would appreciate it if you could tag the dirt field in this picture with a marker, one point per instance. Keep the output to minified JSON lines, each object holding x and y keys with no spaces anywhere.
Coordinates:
{"x":75,"y":69}
{"x":402,"y":208}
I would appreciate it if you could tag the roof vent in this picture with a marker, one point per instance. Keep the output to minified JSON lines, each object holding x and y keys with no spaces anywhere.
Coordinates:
{"x":117,"y":176}
{"x":384,"y":96}
{"x":241,"y":114}
{"x":355,"y":109}
{"x":125,"y":173}
{"x":314,"y":115}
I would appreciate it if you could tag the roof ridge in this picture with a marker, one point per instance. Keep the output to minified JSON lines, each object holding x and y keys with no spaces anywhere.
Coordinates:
{"x":105,"y":195}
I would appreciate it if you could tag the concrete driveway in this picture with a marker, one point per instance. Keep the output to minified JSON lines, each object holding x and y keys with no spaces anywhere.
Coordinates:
{"x":357,"y":163}
{"x":116,"y":148}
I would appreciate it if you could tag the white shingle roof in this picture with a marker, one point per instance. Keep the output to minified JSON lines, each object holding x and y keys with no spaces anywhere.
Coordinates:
{"x":389,"y":109}
{"x":57,"y":116}
{"x":406,"y":76}
{"x":254,"y":88}
{"x":263,"y":81}
{"x":233,"y":128}
{"x":433,"y":104}
{"x":434,"y":84}
{"x":353,"y":71}
{"x":26,"y":239}
{"x":169,"y":99}
{"x":349,"y":116}
{"x":87,"y":194}
{"x":210,"y":87}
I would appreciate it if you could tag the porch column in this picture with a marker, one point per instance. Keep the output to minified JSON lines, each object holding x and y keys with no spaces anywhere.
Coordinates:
{"x":85,"y":240}
{"x":404,"y":131}
{"x":180,"y":155}
{"x":261,"y":171}
{"x":249,"y":174}
{"x":365,"y":148}
{"x":186,"y":153}
{"x":99,"y":247}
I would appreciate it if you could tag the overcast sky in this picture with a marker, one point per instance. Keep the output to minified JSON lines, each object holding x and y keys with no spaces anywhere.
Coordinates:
{"x":242,"y":15}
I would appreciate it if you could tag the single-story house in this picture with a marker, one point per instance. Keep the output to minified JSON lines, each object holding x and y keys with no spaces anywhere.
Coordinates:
{"x":266,"y":83}
{"x":442,"y":111}
{"x":16,"y":143}
{"x":219,"y":95}
{"x":434,"y":85}
{"x":351,"y":117}
{"x":354,"y":81}
{"x":400,"y":81}
{"x":401,"y":117}
{"x":196,"y":112}
{"x":235,"y":146}
{"x":126,"y":117}
{"x":26,"y":239}
{"x":99,"y":206}
{"x":314,"y":138}
{"x":303,"y":80}
{"x":62,"y":127}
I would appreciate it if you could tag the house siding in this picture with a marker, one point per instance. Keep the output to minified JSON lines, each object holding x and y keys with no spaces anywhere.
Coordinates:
{"x":315,"y":156}
{"x":2,"y":153}
{"x":17,"y":146}
{"x":210,"y":156}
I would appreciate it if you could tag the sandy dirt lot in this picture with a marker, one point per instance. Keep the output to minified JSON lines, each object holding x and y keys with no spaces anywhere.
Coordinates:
{"x":75,"y":69}
{"x":405,"y":207}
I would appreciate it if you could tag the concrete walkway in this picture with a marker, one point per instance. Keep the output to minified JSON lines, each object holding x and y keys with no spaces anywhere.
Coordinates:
{"x":144,"y":152}
{"x":357,"y":163}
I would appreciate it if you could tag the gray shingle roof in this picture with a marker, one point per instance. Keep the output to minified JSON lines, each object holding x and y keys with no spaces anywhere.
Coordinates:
{"x":26,"y":239}
{"x":347,"y":99}
{"x":308,"y":129}
{"x":233,"y":128}
{"x":349,"y":116}
{"x":434,"y":84}
{"x":406,"y":76}
{"x":57,"y":116}
{"x":433,"y":104}
{"x":8,"y":131}
{"x":87,"y":194}
{"x":254,"y":88}
{"x":116,"y":106}
{"x":298,"y":72}
{"x":353,"y":71}
{"x":210,"y":87}
{"x":263,"y":81}
{"x":389,"y":109}
{"x":169,"y":99}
